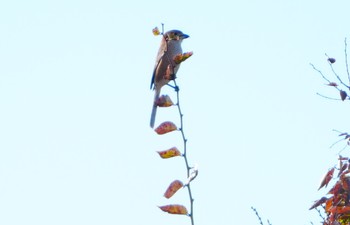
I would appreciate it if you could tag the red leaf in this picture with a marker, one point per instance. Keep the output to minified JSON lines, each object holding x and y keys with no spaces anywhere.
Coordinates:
{"x":327,"y":178}
{"x":174,"y":209}
{"x":319,"y":202}
{"x":173,"y":188}
{"x":172,"y":152}
{"x":165,"y":127}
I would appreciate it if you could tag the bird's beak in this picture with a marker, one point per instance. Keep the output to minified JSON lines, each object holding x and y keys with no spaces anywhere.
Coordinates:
{"x":184,"y":36}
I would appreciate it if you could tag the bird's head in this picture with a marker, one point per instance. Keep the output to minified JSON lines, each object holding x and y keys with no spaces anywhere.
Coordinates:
{"x":175,"y":35}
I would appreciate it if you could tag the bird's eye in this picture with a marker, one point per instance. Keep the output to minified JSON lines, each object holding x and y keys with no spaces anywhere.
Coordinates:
{"x":175,"y":33}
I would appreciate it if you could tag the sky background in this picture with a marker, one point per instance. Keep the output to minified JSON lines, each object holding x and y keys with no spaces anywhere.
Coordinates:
{"x":75,"y":141}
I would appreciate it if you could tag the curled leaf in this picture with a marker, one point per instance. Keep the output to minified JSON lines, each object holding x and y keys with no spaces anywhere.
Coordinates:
{"x":179,"y":58}
{"x":172,"y":152}
{"x":193,"y":174}
{"x":331,"y":60}
{"x":169,"y":73}
{"x":319,"y":202}
{"x":333,"y":84}
{"x":343,"y":95}
{"x":165,"y":127}
{"x":174,"y":209}
{"x":155,"y":31}
{"x":164,"y":101}
{"x":173,"y":188}
{"x":327,"y":178}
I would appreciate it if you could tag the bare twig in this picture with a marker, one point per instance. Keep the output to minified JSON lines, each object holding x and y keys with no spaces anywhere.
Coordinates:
{"x":323,"y":76}
{"x":257,"y":214}
{"x":323,"y":96}
{"x":336,"y":75}
{"x":346,"y":59}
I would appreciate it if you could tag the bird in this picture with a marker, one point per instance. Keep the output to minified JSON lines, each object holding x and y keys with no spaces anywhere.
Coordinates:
{"x":165,"y":65}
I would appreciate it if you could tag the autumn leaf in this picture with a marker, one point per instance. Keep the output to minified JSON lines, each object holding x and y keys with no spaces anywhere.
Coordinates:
{"x":172,"y":152}
{"x":164,"y":101}
{"x":342,"y":169}
{"x":174,"y":209}
{"x":336,"y":188}
{"x":173,"y":188}
{"x":179,"y":58}
{"x":339,"y":209}
{"x":333,"y":84}
{"x":331,"y":60}
{"x":327,"y":178}
{"x":155,"y":31}
{"x":329,"y":204}
{"x":343,"y":95}
{"x":345,"y":181}
{"x":165,"y":127}
{"x":319,"y":202}
{"x":169,"y":73}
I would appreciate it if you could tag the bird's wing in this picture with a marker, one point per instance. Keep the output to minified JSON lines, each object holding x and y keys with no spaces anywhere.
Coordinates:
{"x":159,"y":59}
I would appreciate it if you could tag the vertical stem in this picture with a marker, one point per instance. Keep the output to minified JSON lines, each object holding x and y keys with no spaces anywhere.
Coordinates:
{"x":188,"y":168}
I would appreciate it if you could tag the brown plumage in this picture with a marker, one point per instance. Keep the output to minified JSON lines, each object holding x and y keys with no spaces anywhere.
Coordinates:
{"x":170,"y":46}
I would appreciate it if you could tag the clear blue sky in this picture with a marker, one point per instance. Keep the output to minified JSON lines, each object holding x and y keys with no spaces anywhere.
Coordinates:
{"x":75,"y":144}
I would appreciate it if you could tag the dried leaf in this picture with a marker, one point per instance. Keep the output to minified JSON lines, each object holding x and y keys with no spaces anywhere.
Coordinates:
{"x":193,"y":174}
{"x":164,"y":101}
{"x":174,"y":209}
{"x":327,"y":178}
{"x":165,"y":127}
{"x":173,"y":188}
{"x":331,"y":60}
{"x":319,"y":202}
{"x":336,"y":188}
{"x":342,"y":169}
{"x":179,"y":58}
{"x":329,"y":204}
{"x":343,"y":95}
{"x":172,"y":152}
{"x":333,"y":84}
{"x":155,"y":31}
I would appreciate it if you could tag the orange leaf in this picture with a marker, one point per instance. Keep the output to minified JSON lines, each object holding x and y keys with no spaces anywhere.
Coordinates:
{"x":172,"y":152}
{"x":165,"y":127}
{"x":169,"y":73}
{"x":174,"y":209}
{"x":155,"y":31}
{"x":319,"y":202}
{"x":329,"y":204}
{"x":173,"y":188}
{"x":179,"y":58}
{"x":327,"y":178}
{"x":340,"y":209}
{"x":164,"y":101}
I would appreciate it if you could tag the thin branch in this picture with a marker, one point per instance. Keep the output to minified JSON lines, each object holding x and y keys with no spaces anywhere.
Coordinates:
{"x":320,"y":214}
{"x":323,"y":76}
{"x":257,"y":214}
{"x":346,"y":59}
{"x":188,"y":168}
{"x":336,"y":75}
{"x":327,"y":97}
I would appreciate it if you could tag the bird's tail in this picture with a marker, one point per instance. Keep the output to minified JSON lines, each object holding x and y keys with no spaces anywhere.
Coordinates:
{"x":154,"y":109}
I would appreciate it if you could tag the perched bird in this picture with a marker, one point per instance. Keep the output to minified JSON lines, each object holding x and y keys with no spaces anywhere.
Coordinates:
{"x":165,"y":68}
